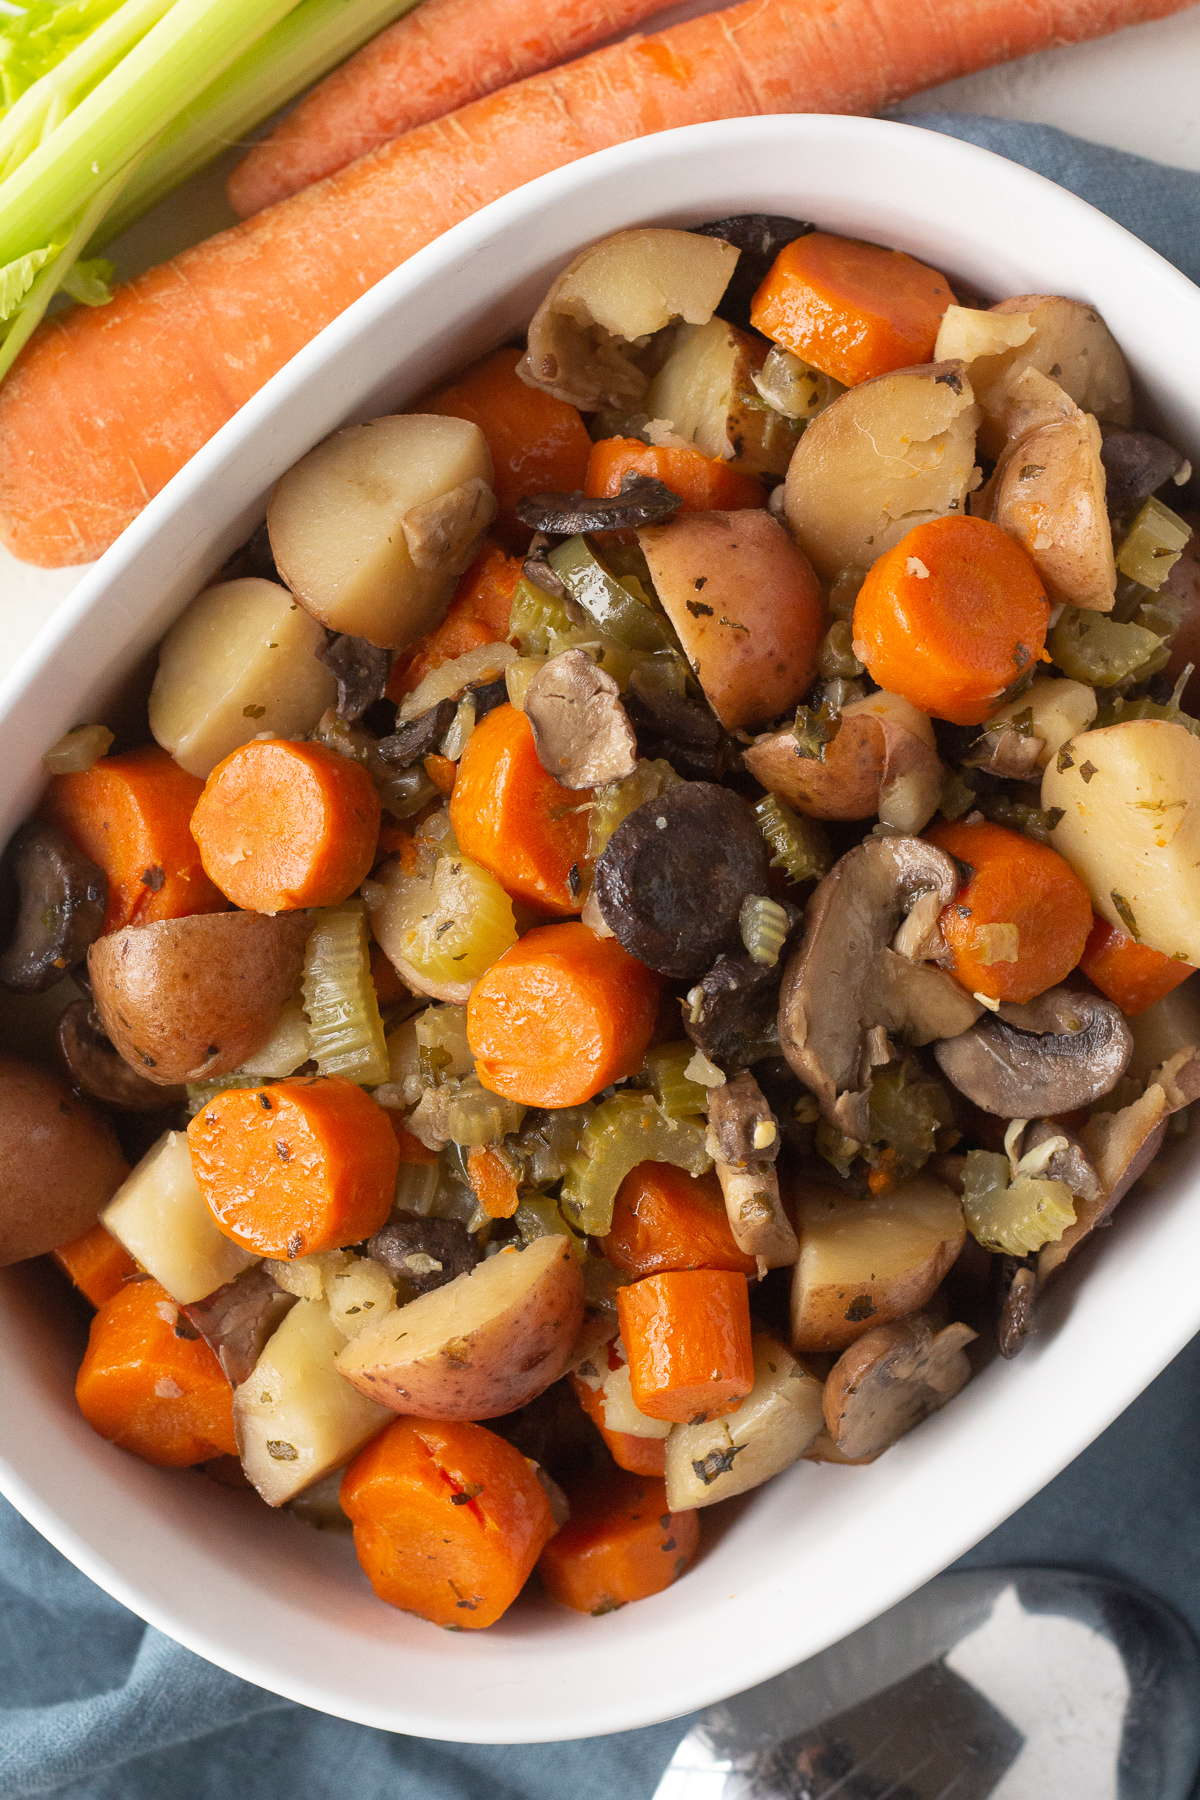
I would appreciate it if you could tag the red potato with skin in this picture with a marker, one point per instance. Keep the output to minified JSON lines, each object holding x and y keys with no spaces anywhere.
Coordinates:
{"x":883,"y":760}
{"x":60,"y":1162}
{"x":746,"y":605}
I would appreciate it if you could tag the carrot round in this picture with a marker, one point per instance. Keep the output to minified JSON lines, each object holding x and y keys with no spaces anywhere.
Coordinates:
{"x":149,"y":1385}
{"x":303,"y":1165}
{"x":687,"y":1337}
{"x":96,"y":1263}
{"x":131,"y":815}
{"x":1129,"y":973}
{"x":950,"y":617}
{"x":1021,"y":917}
{"x":621,"y":1543}
{"x":494,"y":1182}
{"x":852,"y":310}
{"x":513,"y":818}
{"x":666,"y":1219}
{"x":448,"y":1518}
{"x":477,"y":614}
{"x":283,"y":825}
{"x":560,"y":1016}
{"x":703,"y":483}
{"x":639,"y":1455}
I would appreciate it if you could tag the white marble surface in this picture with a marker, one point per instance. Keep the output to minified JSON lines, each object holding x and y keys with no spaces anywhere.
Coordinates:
{"x":1137,"y":91}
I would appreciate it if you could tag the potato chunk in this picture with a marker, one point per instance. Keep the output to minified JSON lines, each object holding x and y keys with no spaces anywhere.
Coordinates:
{"x":162,"y":1219}
{"x":705,"y":392}
{"x":774,"y":1425}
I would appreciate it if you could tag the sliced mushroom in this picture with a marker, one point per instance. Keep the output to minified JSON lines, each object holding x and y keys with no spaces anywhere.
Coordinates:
{"x":759,"y":237}
{"x":581,"y":731}
{"x":238,"y":1319}
{"x":641,"y":501}
{"x":60,"y":902}
{"x":730,"y":1013}
{"x":1002,"y":748}
{"x":671,"y":881}
{"x":1047,"y":1151}
{"x":1136,"y":463}
{"x":360,"y":669}
{"x":670,"y":726}
{"x":890,"y":1380}
{"x":425,"y":1253}
{"x":882,"y":760}
{"x":96,"y":1067}
{"x":1016,"y":1302}
{"x":418,"y":737}
{"x":844,"y":988}
{"x":742,"y":1128}
{"x":755,"y":1212}
{"x":1061,"y":1051}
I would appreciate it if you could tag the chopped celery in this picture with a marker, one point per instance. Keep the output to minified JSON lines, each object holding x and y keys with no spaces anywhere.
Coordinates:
{"x":793,"y":387}
{"x":837,"y":653}
{"x":799,"y":844}
{"x":1153,"y":545}
{"x":442,"y":1047}
{"x":764,"y":925}
{"x":450,"y":926}
{"x":1016,"y":1217}
{"x":620,"y":608}
{"x":1089,"y":647}
{"x":666,"y":1069}
{"x":907,"y":1110}
{"x":548,"y":1140}
{"x":536,"y":619}
{"x":199,"y":1093}
{"x":538,"y":1216}
{"x":475,"y":1117}
{"x":617,"y":799}
{"x":339,"y":997}
{"x":628,"y":1129}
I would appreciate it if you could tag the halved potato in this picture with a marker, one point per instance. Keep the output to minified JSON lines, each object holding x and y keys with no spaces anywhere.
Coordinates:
{"x":1164,"y":1029}
{"x":705,"y":393}
{"x":883,"y":760}
{"x":864,"y":1261}
{"x":163,"y":1220}
{"x":1058,"y":710}
{"x":59,"y":1161}
{"x":884,"y":456}
{"x":774,"y":1425}
{"x":481,"y":1346}
{"x":1048,"y":494}
{"x":372,"y":528}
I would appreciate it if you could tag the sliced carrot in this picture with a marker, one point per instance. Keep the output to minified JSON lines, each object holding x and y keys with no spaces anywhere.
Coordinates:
{"x":621,"y":1543}
{"x":389,"y":989}
{"x":494,"y":1182}
{"x":149,"y":1385}
{"x":687,"y":1337}
{"x":283,"y":825}
{"x":539,"y":444}
{"x":1021,"y":918}
{"x":303,"y":1165}
{"x":131,"y":815}
{"x":441,"y":770}
{"x":852,"y":310}
{"x":560,"y":1016}
{"x":639,"y":1455}
{"x":512,"y":817}
{"x":448,"y":1518}
{"x":96,"y":1263}
{"x":478,"y":614}
{"x":950,"y":617}
{"x":412,"y":1151}
{"x":394,"y":840}
{"x":1131,"y":974}
{"x":665,"y":1219}
{"x":703,"y":483}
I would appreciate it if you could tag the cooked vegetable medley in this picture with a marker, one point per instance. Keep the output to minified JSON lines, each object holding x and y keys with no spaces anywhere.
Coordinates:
{"x":653,"y":913}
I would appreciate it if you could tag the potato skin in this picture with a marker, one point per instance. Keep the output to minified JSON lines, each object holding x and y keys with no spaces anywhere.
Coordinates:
{"x":60,"y":1162}
{"x":187,"y":999}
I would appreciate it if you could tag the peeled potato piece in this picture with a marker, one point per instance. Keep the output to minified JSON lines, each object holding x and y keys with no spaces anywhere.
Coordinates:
{"x":372,"y":528}
{"x":705,"y":393}
{"x":162,"y":1218}
{"x":1057,"y":711}
{"x":773,"y":1426}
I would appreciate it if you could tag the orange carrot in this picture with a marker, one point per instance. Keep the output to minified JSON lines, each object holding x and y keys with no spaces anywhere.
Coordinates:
{"x":131,"y":814}
{"x":515,"y":819}
{"x":950,"y":617}
{"x":441,"y":770}
{"x":665,"y":1219}
{"x":96,"y":1263}
{"x":687,"y":1337}
{"x":389,"y":989}
{"x":494,"y":1183}
{"x":621,"y":1543}
{"x":105,"y":404}
{"x":283,"y":825}
{"x":477,"y":614}
{"x":539,"y":444}
{"x":639,"y":1455}
{"x":440,"y":57}
{"x":851,"y":309}
{"x":1131,"y":974}
{"x":412,"y":1150}
{"x":703,"y":483}
{"x":560,"y":1016}
{"x":395,"y":840}
{"x":303,"y":1165}
{"x":1021,"y":917}
{"x":448,"y":1518}
{"x":150,"y":1388}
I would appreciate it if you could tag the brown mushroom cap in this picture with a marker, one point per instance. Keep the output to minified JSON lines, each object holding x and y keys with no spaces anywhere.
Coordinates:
{"x":60,"y":900}
{"x":1061,"y":1051}
{"x":237,"y":1320}
{"x":581,"y":731}
{"x":1017,"y":1286}
{"x":891,"y":1379}
{"x":95,"y":1066}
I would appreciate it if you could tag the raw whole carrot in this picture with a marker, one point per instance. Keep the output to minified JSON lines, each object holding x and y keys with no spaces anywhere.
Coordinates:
{"x":687,"y":1337}
{"x":306,"y":1164}
{"x":1129,"y":973}
{"x":448,"y":1518}
{"x":621,"y":1543}
{"x":96,"y":1263}
{"x":852,"y":310}
{"x":560,"y":1016}
{"x":950,"y":617}
{"x":149,"y":1385}
{"x":703,"y":483}
{"x":665,"y":1219}
{"x":283,"y":825}
{"x":1021,"y":917}
{"x":513,"y":818}
{"x":440,"y":57}
{"x":638,"y":1455}
{"x":412,"y":1151}
{"x":494,"y":1182}
{"x":105,"y":404}
{"x":478,"y":614}
{"x":539,"y":444}
{"x":131,"y":815}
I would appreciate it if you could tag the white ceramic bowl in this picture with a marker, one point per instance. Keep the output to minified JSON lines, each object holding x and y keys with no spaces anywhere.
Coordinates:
{"x":820,"y":1550}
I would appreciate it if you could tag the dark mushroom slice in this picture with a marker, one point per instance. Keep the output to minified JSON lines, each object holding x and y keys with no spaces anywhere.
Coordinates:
{"x":419,"y":738}
{"x":238,"y":1320}
{"x":96,"y":1067}
{"x":57,"y":900}
{"x":845,"y":989}
{"x":486,"y":696}
{"x":425,"y":1253}
{"x":1059,"y":1052}
{"x":360,"y":669}
{"x":673,"y":876}
{"x":759,"y":237}
{"x":536,"y":568}
{"x":730,"y":1013}
{"x":1016,"y":1285}
{"x":580,"y":729}
{"x":892,"y":1378}
{"x":1063,"y":1158}
{"x":641,"y":501}
{"x":1136,"y":463}
{"x":670,"y":726}
{"x":742,"y":1127}
{"x":253,"y":558}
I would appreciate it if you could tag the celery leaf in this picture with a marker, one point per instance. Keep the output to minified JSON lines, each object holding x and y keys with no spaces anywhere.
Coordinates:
{"x":89,"y":281}
{"x":37,"y":40}
{"x":16,"y":278}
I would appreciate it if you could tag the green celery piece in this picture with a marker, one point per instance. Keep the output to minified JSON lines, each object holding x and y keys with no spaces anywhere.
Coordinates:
{"x":16,"y":278}
{"x":89,"y":281}
{"x":39,"y":36}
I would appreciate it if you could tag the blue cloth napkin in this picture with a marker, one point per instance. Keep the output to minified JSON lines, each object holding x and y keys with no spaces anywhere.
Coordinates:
{"x":96,"y":1706}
